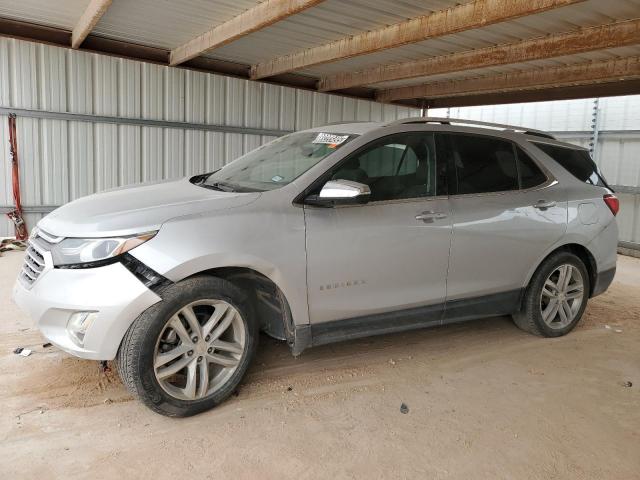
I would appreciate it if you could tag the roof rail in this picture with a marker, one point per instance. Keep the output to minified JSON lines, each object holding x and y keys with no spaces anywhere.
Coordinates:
{"x":474,"y":123}
{"x":344,"y":122}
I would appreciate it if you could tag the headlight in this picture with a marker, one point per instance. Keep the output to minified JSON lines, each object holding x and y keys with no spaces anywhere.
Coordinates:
{"x":73,"y":251}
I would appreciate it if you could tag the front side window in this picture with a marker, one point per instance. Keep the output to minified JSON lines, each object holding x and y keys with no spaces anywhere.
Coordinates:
{"x":400,"y":166}
{"x":577,"y":161}
{"x":482,"y":164}
{"x":277,"y":163}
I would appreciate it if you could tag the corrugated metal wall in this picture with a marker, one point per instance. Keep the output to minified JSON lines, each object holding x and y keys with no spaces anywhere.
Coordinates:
{"x":617,"y":149}
{"x":62,"y":160}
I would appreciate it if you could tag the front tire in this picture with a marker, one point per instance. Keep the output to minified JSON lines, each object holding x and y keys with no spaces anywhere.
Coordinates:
{"x":556,"y":296}
{"x":189,"y":352}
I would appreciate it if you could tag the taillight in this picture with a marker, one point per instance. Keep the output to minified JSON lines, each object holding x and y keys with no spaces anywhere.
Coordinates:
{"x":612,"y":202}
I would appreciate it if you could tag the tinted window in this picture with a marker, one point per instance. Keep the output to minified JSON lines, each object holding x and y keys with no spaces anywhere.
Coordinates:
{"x":482,"y":164}
{"x":396,"y":167}
{"x":530,"y":175}
{"x":577,"y":162}
{"x":388,"y":159}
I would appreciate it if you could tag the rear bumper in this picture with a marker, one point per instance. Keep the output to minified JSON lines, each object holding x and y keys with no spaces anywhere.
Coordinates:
{"x":603,"y":280}
{"x":112,"y":291}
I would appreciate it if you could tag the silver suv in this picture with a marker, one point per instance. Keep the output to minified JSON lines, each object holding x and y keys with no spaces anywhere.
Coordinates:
{"x":323,"y":235}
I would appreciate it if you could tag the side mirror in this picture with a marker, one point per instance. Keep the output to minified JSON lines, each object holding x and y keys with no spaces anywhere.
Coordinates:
{"x":341,"y":192}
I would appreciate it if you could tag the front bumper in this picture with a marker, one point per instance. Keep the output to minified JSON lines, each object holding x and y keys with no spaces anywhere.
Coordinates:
{"x":112,"y":291}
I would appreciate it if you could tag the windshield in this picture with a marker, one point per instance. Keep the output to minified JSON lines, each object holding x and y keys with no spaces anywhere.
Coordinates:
{"x":276,"y":163}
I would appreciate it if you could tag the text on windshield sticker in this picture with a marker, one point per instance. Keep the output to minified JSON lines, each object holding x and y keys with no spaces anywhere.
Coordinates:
{"x":330,"y":138}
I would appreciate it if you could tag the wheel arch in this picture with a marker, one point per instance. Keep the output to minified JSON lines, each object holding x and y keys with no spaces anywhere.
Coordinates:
{"x":582,"y":253}
{"x":265,"y":298}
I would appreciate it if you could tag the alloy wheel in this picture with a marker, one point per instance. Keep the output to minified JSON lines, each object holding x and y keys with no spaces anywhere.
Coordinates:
{"x":561,"y":296}
{"x":199,"y":349}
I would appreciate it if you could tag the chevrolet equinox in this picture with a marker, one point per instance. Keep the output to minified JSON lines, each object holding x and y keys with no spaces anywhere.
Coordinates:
{"x":319,"y":236}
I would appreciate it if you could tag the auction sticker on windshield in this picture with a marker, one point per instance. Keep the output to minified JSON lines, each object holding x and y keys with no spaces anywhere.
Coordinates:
{"x":330,"y":138}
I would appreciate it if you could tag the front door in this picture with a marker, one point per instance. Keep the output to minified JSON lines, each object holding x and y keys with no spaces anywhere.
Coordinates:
{"x":390,"y":254}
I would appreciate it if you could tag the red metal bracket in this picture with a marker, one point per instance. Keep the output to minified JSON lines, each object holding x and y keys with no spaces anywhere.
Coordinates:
{"x":16,"y":215}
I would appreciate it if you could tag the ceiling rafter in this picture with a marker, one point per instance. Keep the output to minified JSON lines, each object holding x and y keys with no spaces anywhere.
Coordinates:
{"x":621,"y":69}
{"x":589,"y":39}
{"x":249,"y":21}
{"x":476,"y":14}
{"x":90,"y":17}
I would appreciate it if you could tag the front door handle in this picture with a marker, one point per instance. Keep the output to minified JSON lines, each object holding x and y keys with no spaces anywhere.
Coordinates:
{"x":430,"y":216}
{"x":544,"y":204}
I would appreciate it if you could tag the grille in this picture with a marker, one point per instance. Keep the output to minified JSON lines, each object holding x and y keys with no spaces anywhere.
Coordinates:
{"x":34,"y":262}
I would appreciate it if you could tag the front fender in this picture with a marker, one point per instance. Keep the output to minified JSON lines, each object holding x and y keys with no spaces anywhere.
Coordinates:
{"x":272,"y":244}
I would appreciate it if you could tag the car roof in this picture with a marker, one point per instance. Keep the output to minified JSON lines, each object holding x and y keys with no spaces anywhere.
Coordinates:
{"x":533,"y":135}
{"x":354,"y":128}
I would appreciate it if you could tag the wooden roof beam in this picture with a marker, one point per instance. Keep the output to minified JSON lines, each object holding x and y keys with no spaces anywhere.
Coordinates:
{"x":617,"y":88}
{"x":589,"y":39}
{"x":580,"y":74}
{"x":476,"y":14}
{"x":262,"y":15}
{"x":88,"y":20}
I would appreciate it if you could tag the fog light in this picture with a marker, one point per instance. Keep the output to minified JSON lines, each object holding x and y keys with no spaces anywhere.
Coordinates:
{"x":78,"y":325}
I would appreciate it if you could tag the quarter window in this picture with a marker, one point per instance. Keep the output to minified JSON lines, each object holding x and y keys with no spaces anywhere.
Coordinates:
{"x":577,"y":162}
{"x":396,"y":167}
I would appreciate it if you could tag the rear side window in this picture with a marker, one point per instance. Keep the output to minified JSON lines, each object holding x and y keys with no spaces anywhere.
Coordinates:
{"x":482,"y":164}
{"x":577,"y":162}
{"x":530,"y":175}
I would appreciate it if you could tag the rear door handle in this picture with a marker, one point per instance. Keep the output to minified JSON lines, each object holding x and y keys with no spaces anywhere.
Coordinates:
{"x":544,"y":204}
{"x":430,"y":216}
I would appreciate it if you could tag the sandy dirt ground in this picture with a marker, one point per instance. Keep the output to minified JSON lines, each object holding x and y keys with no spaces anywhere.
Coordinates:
{"x":485,"y":401}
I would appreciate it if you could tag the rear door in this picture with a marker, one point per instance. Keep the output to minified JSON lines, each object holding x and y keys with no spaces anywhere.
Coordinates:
{"x":507,"y":211}
{"x":392,"y":253}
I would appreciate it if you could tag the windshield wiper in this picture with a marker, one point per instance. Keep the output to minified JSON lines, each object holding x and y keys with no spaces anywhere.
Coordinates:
{"x":223,"y":187}
{"x":228,"y":187}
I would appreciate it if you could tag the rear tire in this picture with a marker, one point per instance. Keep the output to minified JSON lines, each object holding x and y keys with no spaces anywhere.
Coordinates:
{"x":556,"y":296}
{"x":188,"y":353}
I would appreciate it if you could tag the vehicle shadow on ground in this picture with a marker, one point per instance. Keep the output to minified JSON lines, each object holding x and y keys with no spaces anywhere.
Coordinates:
{"x":52,"y":379}
{"x":275,"y":357}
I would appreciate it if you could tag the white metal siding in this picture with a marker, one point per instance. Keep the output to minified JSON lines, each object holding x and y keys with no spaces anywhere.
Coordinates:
{"x":61,"y":160}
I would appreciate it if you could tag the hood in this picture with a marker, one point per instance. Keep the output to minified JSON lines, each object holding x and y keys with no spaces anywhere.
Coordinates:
{"x":129,"y":210}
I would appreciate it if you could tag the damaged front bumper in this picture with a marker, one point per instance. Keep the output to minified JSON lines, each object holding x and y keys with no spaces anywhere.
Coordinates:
{"x":111,"y":294}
